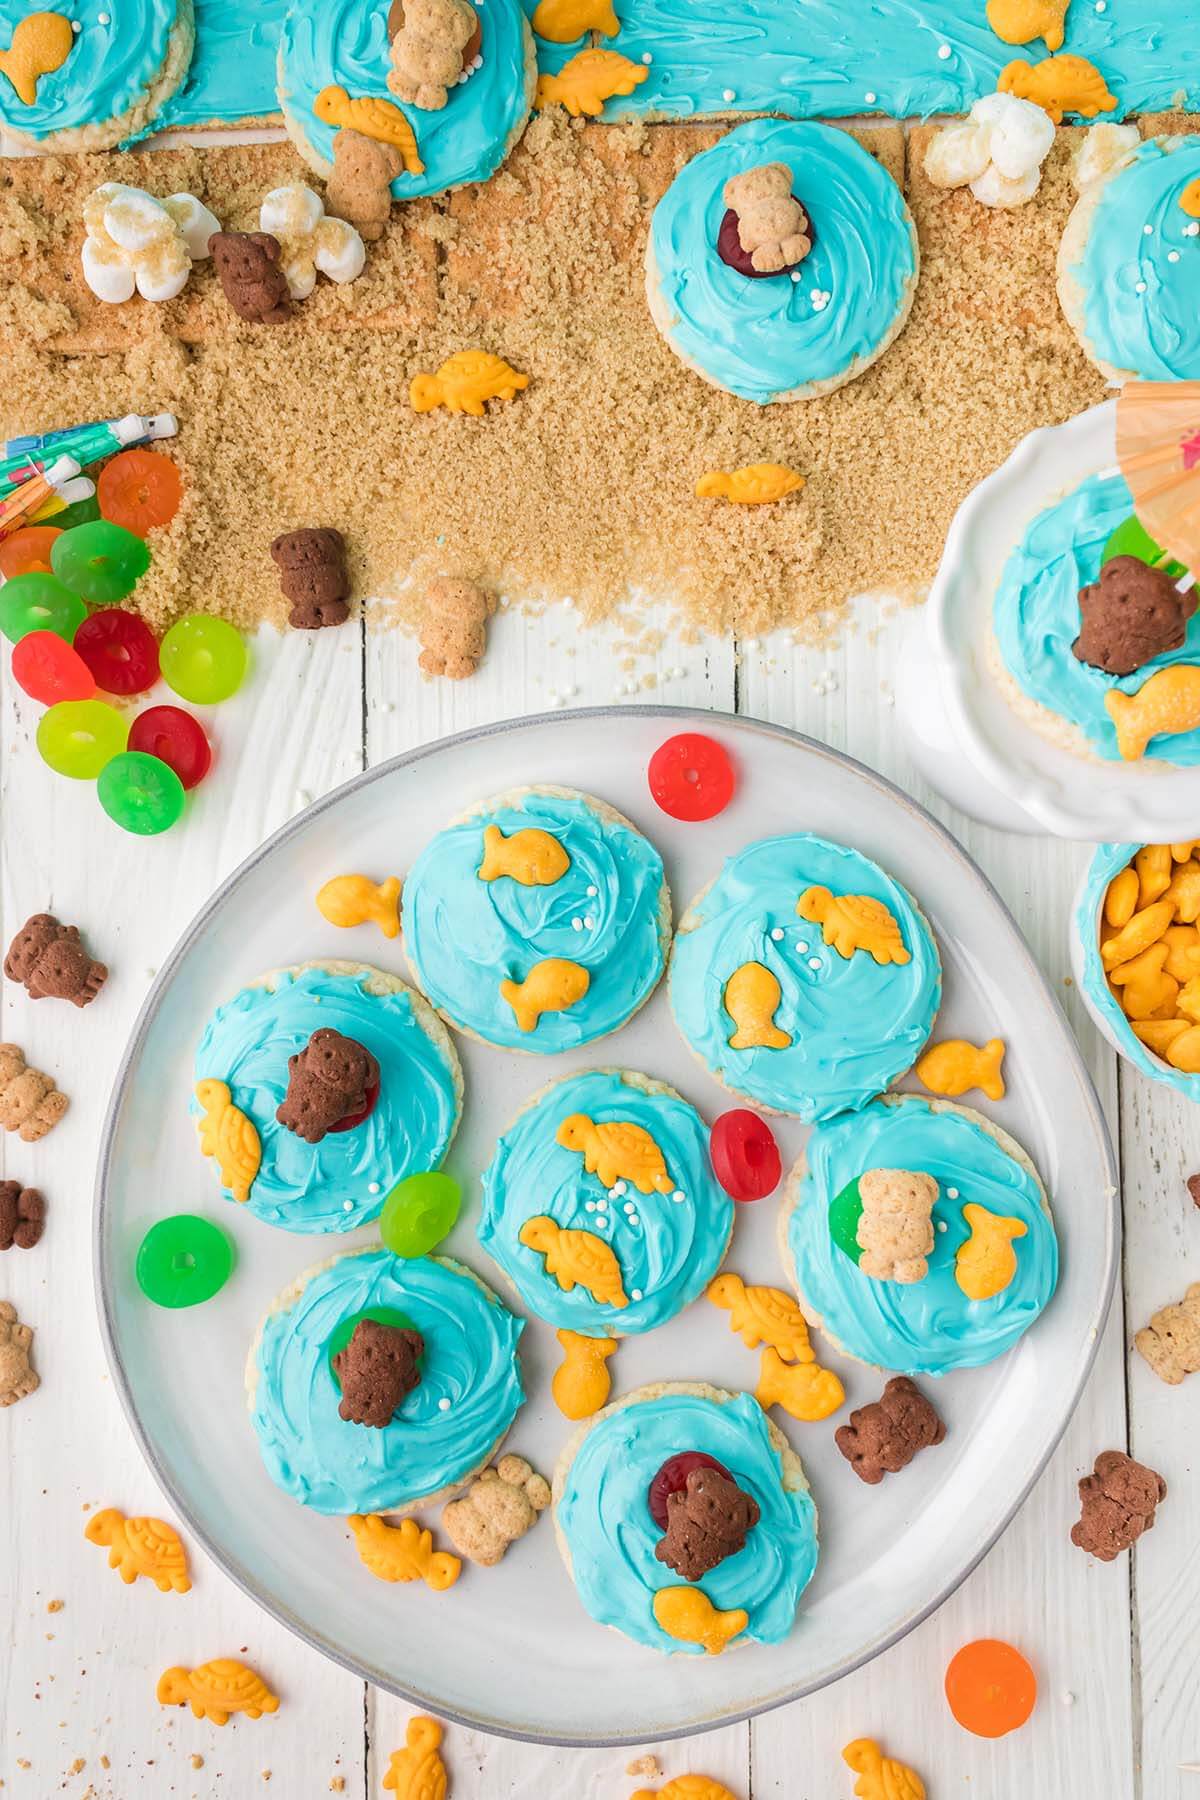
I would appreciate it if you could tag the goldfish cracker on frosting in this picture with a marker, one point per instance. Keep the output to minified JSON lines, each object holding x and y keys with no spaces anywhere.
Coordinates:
{"x":137,"y":244}
{"x":310,"y":242}
{"x":997,"y":152}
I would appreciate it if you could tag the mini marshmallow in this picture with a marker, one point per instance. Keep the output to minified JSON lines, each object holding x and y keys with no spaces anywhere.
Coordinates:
{"x":138,"y":244}
{"x":998,"y":151}
{"x":310,"y":241}
{"x":1104,"y":147}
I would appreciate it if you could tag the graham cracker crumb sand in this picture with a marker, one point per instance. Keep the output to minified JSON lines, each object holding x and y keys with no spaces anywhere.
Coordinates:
{"x":583,"y":484}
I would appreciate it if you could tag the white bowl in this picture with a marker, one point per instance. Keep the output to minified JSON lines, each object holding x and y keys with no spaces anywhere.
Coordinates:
{"x":1090,"y":977}
{"x":966,"y":737}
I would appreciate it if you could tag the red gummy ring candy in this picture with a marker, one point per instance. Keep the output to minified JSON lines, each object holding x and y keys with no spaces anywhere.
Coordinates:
{"x":744,"y":1155}
{"x":691,"y":777}
{"x":176,"y":739}
{"x":672,"y":1479}
{"x":120,"y":649}
{"x":50,"y":670}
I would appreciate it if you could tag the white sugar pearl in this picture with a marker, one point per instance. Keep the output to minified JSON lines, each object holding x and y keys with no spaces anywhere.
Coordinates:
{"x":1172,"y":256}
{"x":630,"y":1208}
{"x":795,"y":274}
{"x":103,"y":19}
{"x":814,"y":962}
{"x":619,"y":1188}
{"x":592,"y":892}
{"x":952,"y":1193}
{"x":777,"y":934}
{"x":944,"y":53}
{"x":870,"y":99}
{"x":728,"y":96}
{"x":1192,"y":230}
{"x":576,"y":924}
{"x":1147,"y":231}
{"x":635,"y":1293}
{"x":679,"y":1196}
{"x":372,"y":1187}
{"x":1139,"y":287}
{"x":647,"y":58}
{"x":443,"y":1404}
{"x":589,"y":1206}
{"x":347,"y":1206}
{"x":802,"y":948}
{"x":589,"y":922}
{"x":634,"y":1219}
{"x":941,"y":1225}
{"x":1101,"y":5}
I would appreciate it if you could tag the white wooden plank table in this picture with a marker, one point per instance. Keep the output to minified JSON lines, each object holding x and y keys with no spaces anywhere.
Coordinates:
{"x":1115,"y":1647}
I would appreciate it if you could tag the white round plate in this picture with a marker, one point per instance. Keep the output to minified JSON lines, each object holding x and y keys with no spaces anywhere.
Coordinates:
{"x":510,"y":1649}
{"x":1013,"y":764}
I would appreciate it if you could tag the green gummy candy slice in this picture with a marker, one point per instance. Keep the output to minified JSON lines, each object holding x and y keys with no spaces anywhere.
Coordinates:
{"x":845,"y":1210}
{"x":183,"y":1261}
{"x":419,"y":1212}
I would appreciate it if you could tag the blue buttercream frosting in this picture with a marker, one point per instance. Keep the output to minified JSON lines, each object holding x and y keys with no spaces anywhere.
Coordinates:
{"x":762,"y":337}
{"x":1107,"y":862}
{"x":463,"y":935}
{"x":469,"y":1360}
{"x":232,"y":75}
{"x":855,"y":1026}
{"x":669,"y":1244}
{"x":342,"y":1181}
{"x":1036,"y":618}
{"x":921,"y":1327}
{"x":106,"y":73}
{"x":1141,"y":266}
{"x":611,"y":1534}
{"x":344,"y":43}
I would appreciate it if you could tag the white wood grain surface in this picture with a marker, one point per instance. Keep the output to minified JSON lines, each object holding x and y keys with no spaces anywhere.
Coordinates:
{"x":1114,"y":1646}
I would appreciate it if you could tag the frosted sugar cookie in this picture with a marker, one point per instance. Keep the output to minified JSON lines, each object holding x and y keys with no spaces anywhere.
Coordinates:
{"x":802,"y":312}
{"x":89,"y":72}
{"x":804,"y":977}
{"x":336,"y":1437}
{"x":623,"y":1492}
{"x":375,"y":1097}
{"x":1129,"y":261}
{"x":451,"y":117}
{"x":918,"y":1236}
{"x":1053,"y":583}
{"x":601,"y":1206}
{"x":537,"y":921}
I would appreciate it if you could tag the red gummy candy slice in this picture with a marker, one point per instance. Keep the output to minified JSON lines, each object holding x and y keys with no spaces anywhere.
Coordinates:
{"x":176,"y":739}
{"x":120,"y":649}
{"x":49,"y":670}
{"x":350,"y":1120}
{"x":744,"y":1155}
{"x":672,"y":1479}
{"x":691,"y":777}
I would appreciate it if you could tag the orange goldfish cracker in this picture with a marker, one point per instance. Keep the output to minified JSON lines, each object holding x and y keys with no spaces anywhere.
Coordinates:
{"x":804,"y":1390}
{"x":1121,"y":899}
{"x":1183,"y":951}
{"x":1185,"y":852}
{"x":1183,"y":892}
{"x":1159,"y":1034}
{"x":689,"y":1616}
{"x":1184,"y":1053}
{"x":1188,"y":1001}
{"x":582,"y":1383}
{"x":1145,"y":988}
{"x":1145,"y":928}
{"x":1153,"y":866}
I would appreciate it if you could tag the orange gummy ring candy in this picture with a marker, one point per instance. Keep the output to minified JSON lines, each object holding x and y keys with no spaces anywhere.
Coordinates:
{"x":990,"y":1687}
{"x":27,"y":551}
{"x":139,"y":489}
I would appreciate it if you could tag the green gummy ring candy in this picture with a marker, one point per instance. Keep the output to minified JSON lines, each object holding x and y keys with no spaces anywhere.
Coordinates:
{"x":419,"y":1212}
{"x":79,"y":738}
{"x":845,"y":1210}
{"x":382,"y":1315}
{"x":100,"y":562}
{"x":140,"y":793}
{"x":203,"y":659}
{"x":183,"y":1261}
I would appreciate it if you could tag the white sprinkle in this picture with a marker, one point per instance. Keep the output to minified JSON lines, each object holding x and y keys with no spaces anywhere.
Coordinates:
{"x":679,"y":1196}
{"x":633,"y":1218}
{"x":1101,"y":5}
{"x":76,"y":26}
{"x":728,"y":95}
{"x":589,"y":922}
{"x":630,"y":1209}
{"x":801,"y":948}
{"x":592,"y":892}
{"x":870,"y":99}
{"x":103,"y":19}
{"x":1068,"y":1698}
{"x":372,"y":1187}
{"x":601,"y":1209}
{"x":1172,"y":256}
{"x":646,"y":57}
{"x":777,"y":935}
{"x":941,"y":1225}
{"x":589,"y":1206}
{"x":576,"y":924}
{"x":944,"y":53}
{"x":1139,"y":287}
{"x":347,"y":1206}
{"x":443,"y":1404}
{"x":814,"y":962}
{"x":618,"y":1188}
{"x":795,"y":274}
{"x":1192,"y":230}
{"x":635,"y":1293}
{"x":303,"y":797}
{"x":1147,"y":231}
{"x":952,"y":1193}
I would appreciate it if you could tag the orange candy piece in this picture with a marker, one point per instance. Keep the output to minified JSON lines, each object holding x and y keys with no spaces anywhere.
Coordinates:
{"x":990,"y":1687}
{"x":139,"y":489}
{"x":27,"y":552}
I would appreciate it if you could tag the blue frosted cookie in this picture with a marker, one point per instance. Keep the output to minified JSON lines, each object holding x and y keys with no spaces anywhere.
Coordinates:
{"x":804,"y":977}
{"x":608,"y":1535}
{"x":989,"y":1234}
{"x":84,"y":74}
{"x":412,"y":1105}
{"x":334,"y":63}
{"x":446,"y":1427}
{"x":538,"y":921}
{"x":813,"y":325}
{"x":601,"y":1206}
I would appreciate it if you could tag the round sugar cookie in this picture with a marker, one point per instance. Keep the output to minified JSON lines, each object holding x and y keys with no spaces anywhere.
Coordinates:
{"x":1129,"y":262}
{"x":341,"y":48}
{"x":342,"y":1180}
{"x":443,"y":1432}
{"x":1036,"y":621}
{"x":930,"y":1326}
{"x":106,"y":81}
{"x":806,"y":330}
{"x":539,"y":920}
{"x":607,"y":1534}
{"x":770,"y":1003}
{"x":624,"y":1159}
